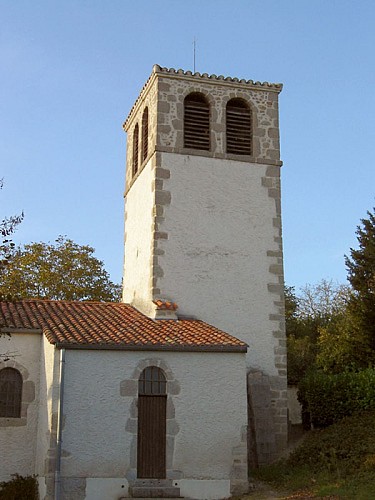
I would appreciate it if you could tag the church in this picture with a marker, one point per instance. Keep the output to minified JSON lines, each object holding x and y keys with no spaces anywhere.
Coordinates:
{"x":181,"y":388}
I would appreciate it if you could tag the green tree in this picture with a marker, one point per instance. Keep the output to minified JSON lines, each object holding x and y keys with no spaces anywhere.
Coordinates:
{"x":361,"y":275}
{"x":7,"y":227}
{"x":349,"y":340}
{"x":60,"y":271}
{"x":315,"y":308}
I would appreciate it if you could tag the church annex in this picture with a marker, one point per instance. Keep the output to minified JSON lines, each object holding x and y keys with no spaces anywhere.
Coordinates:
{"x":150,"y":397}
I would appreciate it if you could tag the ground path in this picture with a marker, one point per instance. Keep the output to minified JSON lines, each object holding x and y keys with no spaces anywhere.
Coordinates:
{"x":263,"y":491}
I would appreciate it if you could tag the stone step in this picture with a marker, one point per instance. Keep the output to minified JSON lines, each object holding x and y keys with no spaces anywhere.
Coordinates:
{"x":155,"y":492}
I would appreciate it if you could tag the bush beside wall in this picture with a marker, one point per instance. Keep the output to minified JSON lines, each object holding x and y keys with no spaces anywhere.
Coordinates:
{"x":328,"y":398}
{"x":19,"y":488}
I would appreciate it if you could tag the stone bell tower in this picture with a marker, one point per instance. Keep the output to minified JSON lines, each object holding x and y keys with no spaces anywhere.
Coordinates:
{"x":203,"y":223}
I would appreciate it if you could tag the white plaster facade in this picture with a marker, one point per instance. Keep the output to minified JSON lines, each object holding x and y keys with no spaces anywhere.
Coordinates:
{"x":206,"y":430}
{"x":138,"y":221}
{"x":17,"y":436}
{"x":219,"y":224}
{"x":205,"y":437}
{"x":29,"y":441}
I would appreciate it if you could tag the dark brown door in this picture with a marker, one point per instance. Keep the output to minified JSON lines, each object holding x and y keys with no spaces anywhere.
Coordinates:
{"x":151,"y":452}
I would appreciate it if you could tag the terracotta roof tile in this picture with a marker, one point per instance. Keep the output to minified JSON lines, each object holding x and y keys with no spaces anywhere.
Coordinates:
{"x":110,"y":325}
{"x":166,"y":304}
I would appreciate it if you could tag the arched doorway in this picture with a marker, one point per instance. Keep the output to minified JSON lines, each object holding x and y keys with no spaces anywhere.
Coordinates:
{"x":152,"y":405}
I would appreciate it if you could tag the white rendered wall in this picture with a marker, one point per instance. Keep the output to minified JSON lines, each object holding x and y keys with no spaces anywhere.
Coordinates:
{"x":96,"y":444}
{"x":215,"y":266}
{"x":210,"y":410}
{"x":48,"y":404}
{"x":138,"y":247}
{"x":18,"y":442}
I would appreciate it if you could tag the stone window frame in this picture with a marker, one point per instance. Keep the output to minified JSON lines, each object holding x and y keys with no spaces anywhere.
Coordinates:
{"x":129,"y":388}
{"x":28,"y":395}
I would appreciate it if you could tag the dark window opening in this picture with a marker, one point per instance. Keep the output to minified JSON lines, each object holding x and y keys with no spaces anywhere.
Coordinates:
{"x":239,"y":127}
{"x":144,"y":134}
{"x":135,"y":149}
{"x":196,"y":122}
{"x":10,"y":393}
{"x":152,"y":382}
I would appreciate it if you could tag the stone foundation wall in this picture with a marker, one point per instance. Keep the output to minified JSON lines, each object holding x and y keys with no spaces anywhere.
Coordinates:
{"x":267,"y":413}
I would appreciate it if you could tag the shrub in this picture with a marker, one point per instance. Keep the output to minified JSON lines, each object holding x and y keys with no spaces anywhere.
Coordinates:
{"x":347,"y":446}
{"x":19,"y":488}
{"x":328,"y":398}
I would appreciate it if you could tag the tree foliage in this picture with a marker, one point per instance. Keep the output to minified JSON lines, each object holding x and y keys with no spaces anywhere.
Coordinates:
{"x":361,"y":275}
{"x":349,"y":342}
{"x":332,"y":328}
{"x":316,"y":307}
{"x":60,"y":271}
{"x":330,"y":397}
{"x":7,"y":227}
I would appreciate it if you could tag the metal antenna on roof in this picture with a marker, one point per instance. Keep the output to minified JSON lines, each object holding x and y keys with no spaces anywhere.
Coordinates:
{"x":194,"y":45}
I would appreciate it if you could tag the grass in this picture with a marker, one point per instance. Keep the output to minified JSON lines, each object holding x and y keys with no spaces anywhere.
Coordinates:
{"x":337,"y":463}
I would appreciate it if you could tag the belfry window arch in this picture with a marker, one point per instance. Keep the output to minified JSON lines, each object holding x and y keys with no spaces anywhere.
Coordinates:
{"x":196,"y":122}
{"x":135,"y":149}
{"x":10,"y":393}
{"x":144,"y":151}
{"x":239,"y":127}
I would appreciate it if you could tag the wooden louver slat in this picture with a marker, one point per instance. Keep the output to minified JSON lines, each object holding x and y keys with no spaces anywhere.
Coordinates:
{"x":135,"y":149}
{"x":196,"y":122}
{"x":144,"y":134}
{"x":239,"y":128}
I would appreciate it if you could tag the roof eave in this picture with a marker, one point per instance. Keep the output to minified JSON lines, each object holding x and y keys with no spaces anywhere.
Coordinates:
{"x":13,"y":330}
{"x":148,"y":347}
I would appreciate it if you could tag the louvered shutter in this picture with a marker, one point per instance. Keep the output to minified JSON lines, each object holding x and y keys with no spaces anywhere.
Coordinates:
{"x":135,"y":149}
{"x":239,"y":128}
{"x":196,"y":122}
{"x":144,"y":134}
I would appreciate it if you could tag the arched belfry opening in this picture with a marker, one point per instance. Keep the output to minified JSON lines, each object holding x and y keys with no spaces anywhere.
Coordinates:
{"x":239,"y":127}
{"x":152,"y":424}
{"x":196,"y":122}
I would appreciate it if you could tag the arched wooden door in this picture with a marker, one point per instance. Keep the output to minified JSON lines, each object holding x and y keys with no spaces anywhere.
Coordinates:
{"x":152,"y":423}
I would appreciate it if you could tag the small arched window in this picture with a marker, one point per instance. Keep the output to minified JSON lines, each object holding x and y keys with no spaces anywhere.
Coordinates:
{"x":239,"y":127}
{"x":196,"y":122}
{"x":152,"y":382}
{"x":10,"y":393}
{"x":144,"y":134}
{"x":135,"y":149}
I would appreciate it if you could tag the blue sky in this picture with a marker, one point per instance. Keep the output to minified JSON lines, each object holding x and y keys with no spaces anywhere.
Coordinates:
{"x":70,"y":72}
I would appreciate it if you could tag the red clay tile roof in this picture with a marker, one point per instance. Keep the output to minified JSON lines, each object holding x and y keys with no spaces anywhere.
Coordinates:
{"x":106,"y":325}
